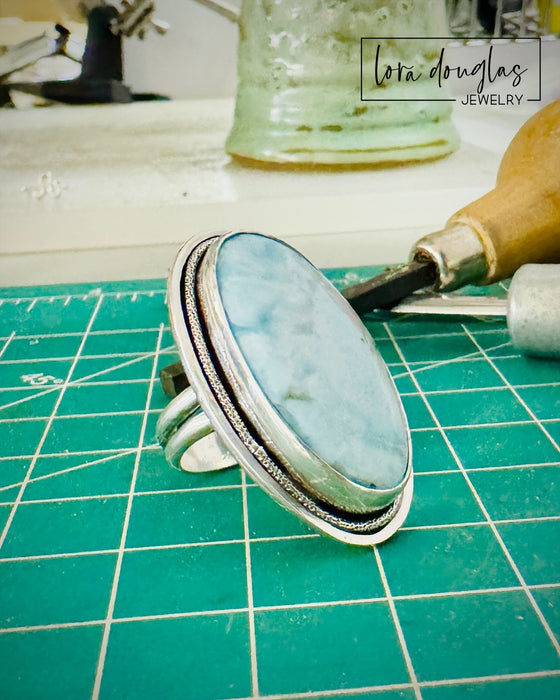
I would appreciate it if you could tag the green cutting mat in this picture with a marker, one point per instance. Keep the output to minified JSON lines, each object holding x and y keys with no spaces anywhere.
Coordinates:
{"x":123,"y":578}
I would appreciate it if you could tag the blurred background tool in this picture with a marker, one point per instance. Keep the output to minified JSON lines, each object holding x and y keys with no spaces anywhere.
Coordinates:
{"x":27,"y":52}
{"x":101,"y":77}
{"x":518,"y":222}
{"x":532,"y":308}
{"x":503,"y":18}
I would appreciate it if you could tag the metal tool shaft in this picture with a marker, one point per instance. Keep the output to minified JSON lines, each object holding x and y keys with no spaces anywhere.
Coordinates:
{"x":445,"y":304}
{"x":532,"y":308}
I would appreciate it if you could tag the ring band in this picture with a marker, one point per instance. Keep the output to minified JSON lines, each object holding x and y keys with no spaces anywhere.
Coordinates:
{"x":188,"y":438}
{"x":178,"y":411}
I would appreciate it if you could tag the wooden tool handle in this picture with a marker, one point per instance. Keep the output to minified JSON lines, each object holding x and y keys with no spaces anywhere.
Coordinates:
{"x":518,"y":222}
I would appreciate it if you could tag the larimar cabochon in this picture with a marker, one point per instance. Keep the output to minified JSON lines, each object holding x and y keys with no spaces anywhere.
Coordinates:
{"x":314,"y":362}
{"x":292,"y":384}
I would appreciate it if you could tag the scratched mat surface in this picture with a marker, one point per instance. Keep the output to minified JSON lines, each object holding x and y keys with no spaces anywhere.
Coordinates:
{"x":123,"y":578}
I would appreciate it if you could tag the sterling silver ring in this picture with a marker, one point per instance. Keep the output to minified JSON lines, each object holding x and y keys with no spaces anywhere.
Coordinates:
{"x":285,"y":381}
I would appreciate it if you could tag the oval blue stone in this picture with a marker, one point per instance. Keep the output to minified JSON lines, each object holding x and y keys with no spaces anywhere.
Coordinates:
{"x":313,"y":359}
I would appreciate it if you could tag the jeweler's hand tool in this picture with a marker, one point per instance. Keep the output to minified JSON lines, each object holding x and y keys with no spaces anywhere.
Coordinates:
{"x":532,"y":308}
{"x":518,"y":222}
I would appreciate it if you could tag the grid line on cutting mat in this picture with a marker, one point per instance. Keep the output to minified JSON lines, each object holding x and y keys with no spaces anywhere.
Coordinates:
{"x":49,"y":422}
{"x":479,"y":501}
{"x":213,"y":571}
{"x":531,"y":413}
{"x":120,"y":552}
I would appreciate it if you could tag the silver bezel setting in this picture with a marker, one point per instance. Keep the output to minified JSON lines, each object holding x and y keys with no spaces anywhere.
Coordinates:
{"x":245,"y":436}
{"x":295,"y":456}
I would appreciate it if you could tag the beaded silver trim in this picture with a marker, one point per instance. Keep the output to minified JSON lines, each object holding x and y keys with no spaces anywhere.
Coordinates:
{"x":224,"y":400}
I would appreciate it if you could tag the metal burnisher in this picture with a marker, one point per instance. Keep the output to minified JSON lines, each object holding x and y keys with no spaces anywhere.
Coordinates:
{"x":532,"y":308}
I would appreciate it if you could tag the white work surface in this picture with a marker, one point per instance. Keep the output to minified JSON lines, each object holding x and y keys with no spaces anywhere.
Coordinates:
{"x":139,"y":179}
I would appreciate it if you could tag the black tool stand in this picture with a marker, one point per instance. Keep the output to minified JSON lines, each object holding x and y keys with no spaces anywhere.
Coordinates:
{"x":102,"y":68}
